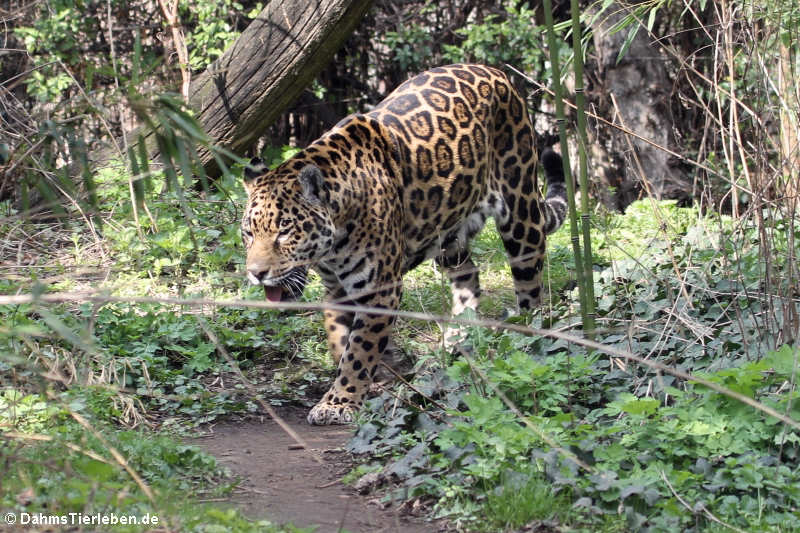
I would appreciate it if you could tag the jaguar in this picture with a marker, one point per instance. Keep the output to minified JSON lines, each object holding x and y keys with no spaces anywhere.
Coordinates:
{"x":414,"y":178}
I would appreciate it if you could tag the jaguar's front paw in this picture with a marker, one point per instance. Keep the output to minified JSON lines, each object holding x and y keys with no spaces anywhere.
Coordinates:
{"x":326,"y":413}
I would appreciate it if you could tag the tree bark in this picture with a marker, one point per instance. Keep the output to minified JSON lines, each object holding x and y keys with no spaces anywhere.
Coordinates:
{"x":634,"y":93}
{"x":267,"y":67}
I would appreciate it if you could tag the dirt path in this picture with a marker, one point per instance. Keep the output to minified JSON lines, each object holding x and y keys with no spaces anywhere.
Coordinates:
{"x":282,"y":484}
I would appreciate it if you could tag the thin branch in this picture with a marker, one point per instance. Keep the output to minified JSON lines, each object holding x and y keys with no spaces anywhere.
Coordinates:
{"x":691,"y":509}
{"x":78,"y":297}
{"x":253,"y":392}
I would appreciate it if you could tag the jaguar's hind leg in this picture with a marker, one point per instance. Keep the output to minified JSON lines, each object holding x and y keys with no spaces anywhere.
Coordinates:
{"x":524,"y":241}
{"x":465,"y":286}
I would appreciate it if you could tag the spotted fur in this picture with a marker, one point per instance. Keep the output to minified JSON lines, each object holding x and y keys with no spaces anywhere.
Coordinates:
{"x":414,"y":178}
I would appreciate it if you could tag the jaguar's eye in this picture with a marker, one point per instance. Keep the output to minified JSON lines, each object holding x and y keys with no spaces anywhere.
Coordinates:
{"x":247,"y":237}
{"x":284,"y":231}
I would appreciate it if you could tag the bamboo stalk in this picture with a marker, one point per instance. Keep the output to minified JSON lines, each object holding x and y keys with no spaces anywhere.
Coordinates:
{"x":562,"y":133}
{"x":583,"y":143}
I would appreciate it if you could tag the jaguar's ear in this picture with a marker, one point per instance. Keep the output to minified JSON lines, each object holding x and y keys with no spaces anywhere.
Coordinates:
{"x":254,"y":169}
{"x":312,"y":183}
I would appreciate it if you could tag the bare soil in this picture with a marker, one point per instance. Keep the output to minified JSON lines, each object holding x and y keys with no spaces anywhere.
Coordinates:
{"x":284,"y":484}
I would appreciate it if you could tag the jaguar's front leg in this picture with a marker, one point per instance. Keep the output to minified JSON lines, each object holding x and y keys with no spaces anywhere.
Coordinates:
{"x":337,"y":322}
{"x":366,"y":344}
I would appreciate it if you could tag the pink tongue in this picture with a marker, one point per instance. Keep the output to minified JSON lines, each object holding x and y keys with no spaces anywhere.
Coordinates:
{"x":273,"y":294}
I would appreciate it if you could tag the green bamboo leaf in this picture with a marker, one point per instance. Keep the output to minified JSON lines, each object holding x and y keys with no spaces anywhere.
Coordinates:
{"x":187,"y":124}
{"x":166,"y":128}
{"x":627,"y":43}
{"x":651,"y":19}
{"x":52,"y":201}
{"x":169,"y":155}
{"x":169,"y":101}
{"x":201,"y":172}
{"x":65,"y":180}
{"x":217,"y":152}
{"x":166,"y":160}
{"x":144,"y":159}
{"x":182,"y":153}
{"x":138,"y":184}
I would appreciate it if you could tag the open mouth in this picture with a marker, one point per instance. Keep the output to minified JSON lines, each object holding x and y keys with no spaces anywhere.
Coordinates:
{"x":273,"y":293}
{"x":288,"y":288}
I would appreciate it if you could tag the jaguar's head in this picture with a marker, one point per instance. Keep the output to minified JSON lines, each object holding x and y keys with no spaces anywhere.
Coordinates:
{"x":286,"y":227}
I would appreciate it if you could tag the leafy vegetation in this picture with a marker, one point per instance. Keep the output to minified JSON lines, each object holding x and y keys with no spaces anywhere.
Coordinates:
{"x":60,"y":466}
{"x":638,"y":449}
{"x":124,"y":365}
{"x":654,"y":443}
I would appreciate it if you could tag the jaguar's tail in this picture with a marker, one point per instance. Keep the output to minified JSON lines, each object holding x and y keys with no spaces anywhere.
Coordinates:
{"x":556,"y":200}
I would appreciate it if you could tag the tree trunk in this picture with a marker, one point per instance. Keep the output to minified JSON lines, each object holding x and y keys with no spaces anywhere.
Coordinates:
{"x":267,"y":67}
{"x":634,"y":93}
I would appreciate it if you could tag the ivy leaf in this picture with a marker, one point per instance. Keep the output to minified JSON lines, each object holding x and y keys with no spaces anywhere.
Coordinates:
{"x":631,"y":489}
{"x":604,"y":480}
{"x":362,"y":441}
{"x":414,"y":459}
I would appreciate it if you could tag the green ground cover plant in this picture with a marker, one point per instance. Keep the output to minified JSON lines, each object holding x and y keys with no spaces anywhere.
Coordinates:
{"x":662,"y":453}
{"x":640,"y":449}
{"x":56,"y":466}
{"x":142,"y":376}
